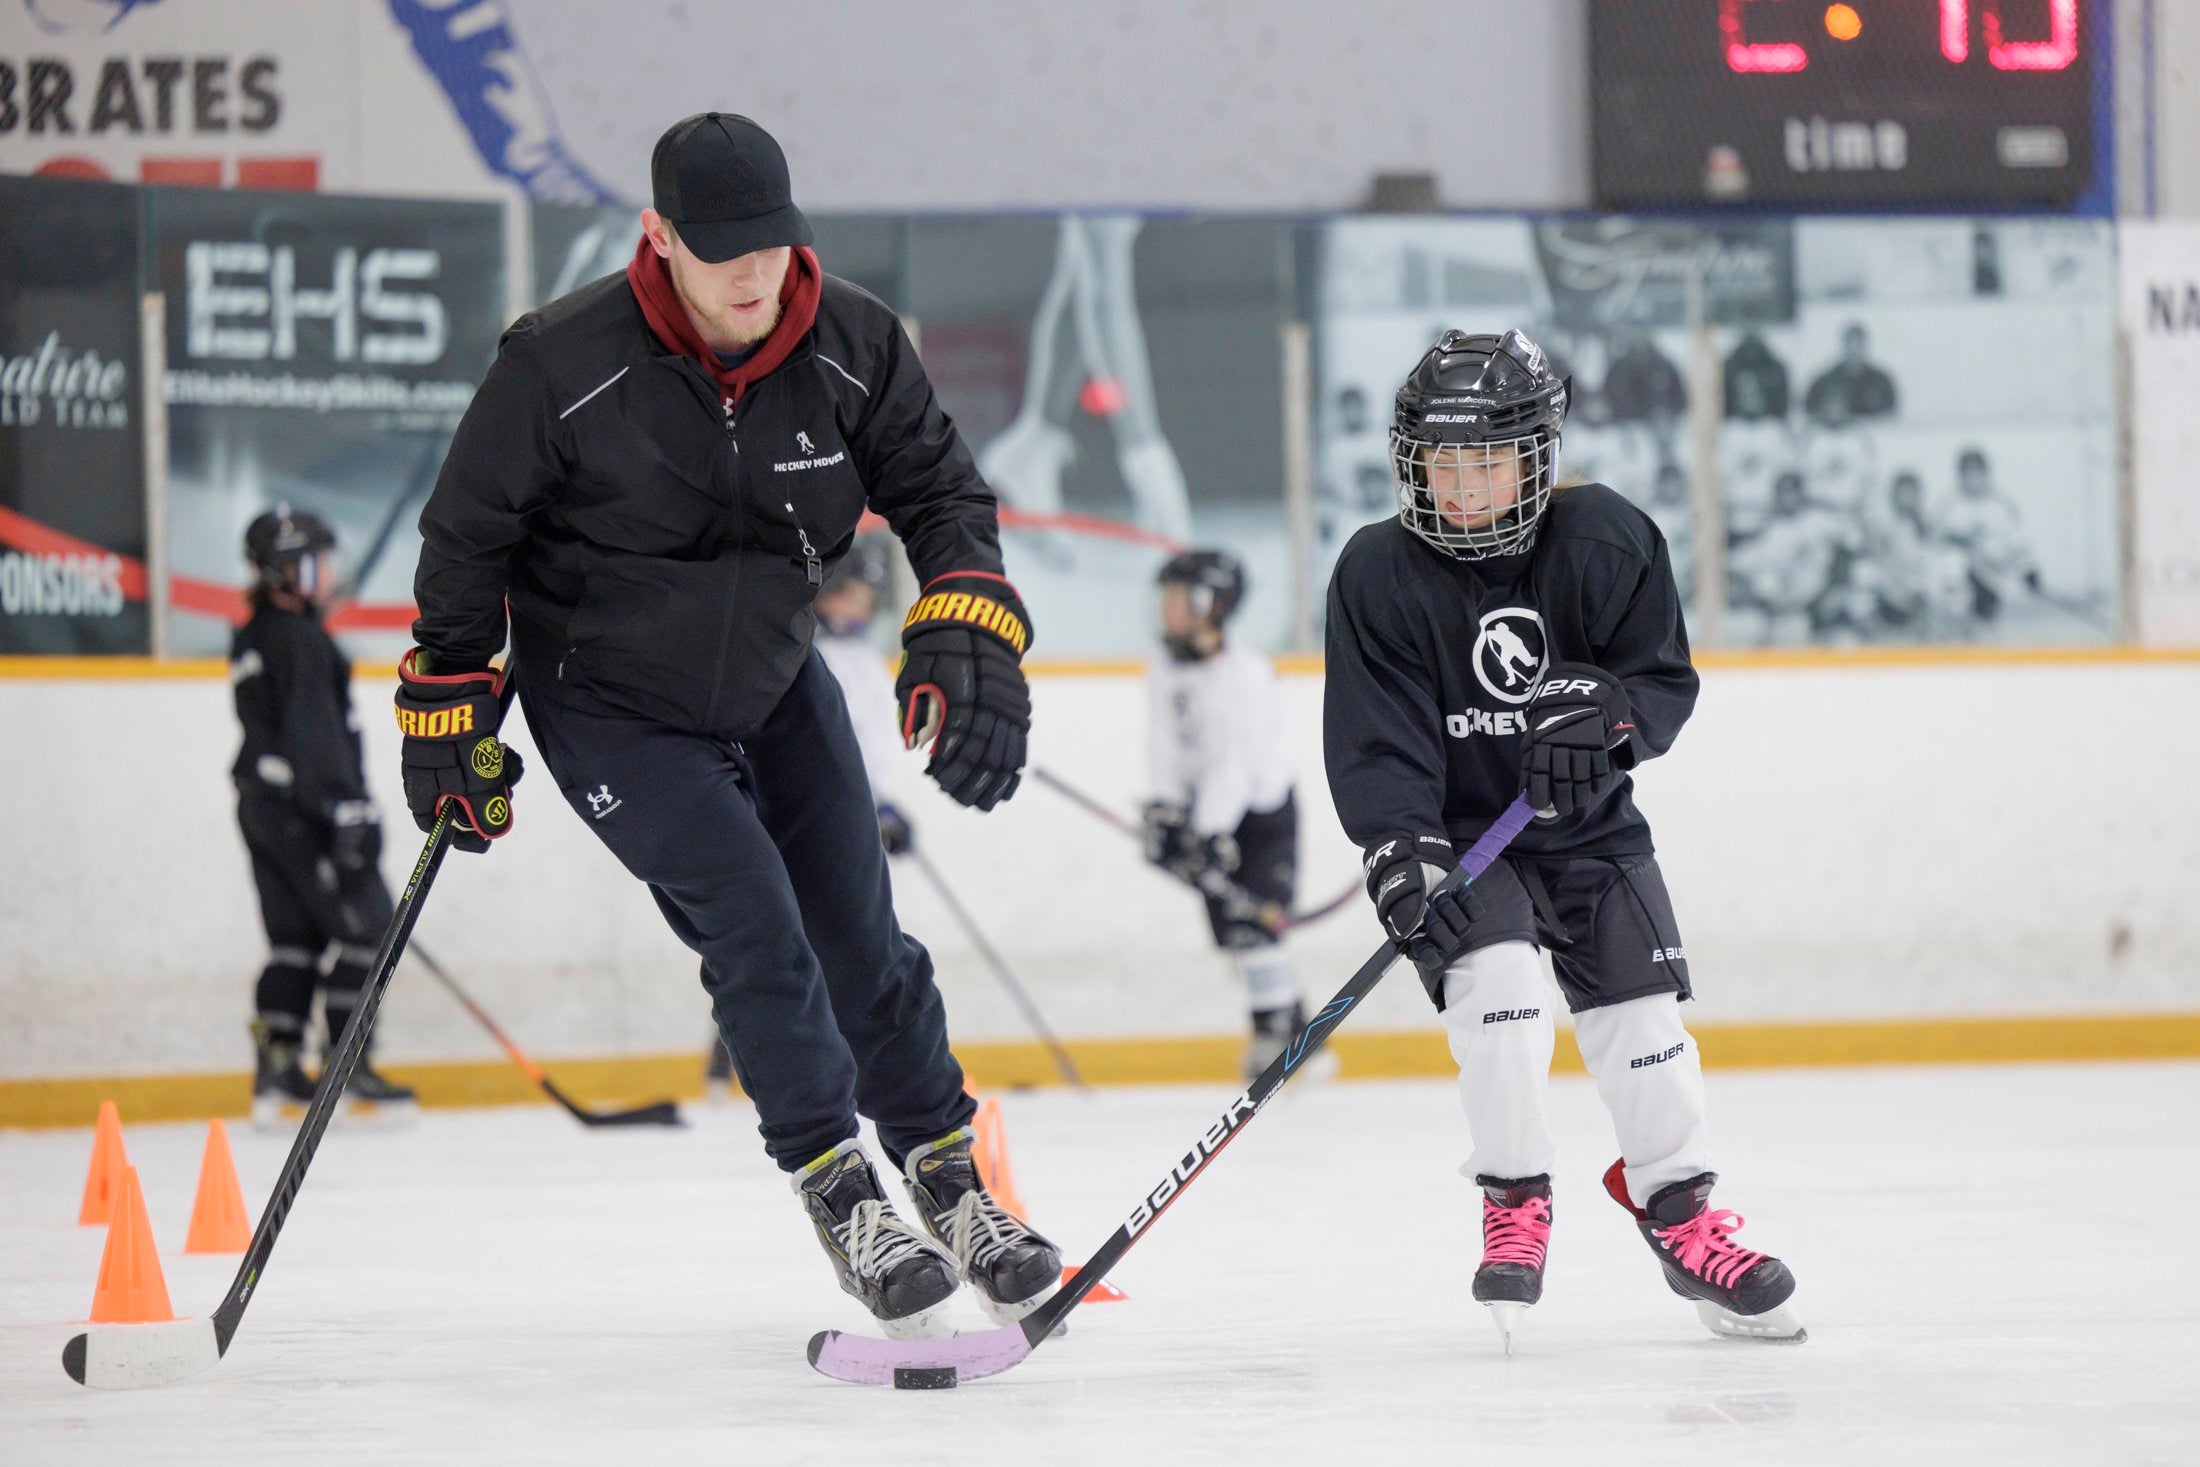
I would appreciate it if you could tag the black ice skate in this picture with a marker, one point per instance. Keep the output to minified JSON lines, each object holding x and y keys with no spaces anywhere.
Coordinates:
{"x":1736,"y":1291}
{"x":897,"y":1272}
{"x":281,"y":1089}
{"x":1273,"y":1031}
{"x":371,"y":1094}
{"x":1516,"y":1229}
{"x":718,"y":1073}
{"x":1014,"y":1269}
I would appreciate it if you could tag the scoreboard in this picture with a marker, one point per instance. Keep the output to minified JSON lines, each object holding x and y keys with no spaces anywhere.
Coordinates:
{"x":1802,"y":103}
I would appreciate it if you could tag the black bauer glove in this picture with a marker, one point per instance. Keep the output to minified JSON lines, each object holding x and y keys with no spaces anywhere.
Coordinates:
{"x":1580,"y":742}
{"x":894,"y":831}
{"x":1407,"y":880}
{"x":962,"y":688}
{"x":452,"y":751}
{"x":1168,"y":827}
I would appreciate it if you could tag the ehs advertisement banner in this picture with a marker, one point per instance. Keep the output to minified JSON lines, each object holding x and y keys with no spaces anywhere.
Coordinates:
{"x":320,"y":352}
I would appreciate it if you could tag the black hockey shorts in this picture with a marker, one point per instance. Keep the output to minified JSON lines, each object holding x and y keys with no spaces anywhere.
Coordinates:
{"x":1606,"y":921}
{"x":306,"y":904}
{"x":1268,"y":870}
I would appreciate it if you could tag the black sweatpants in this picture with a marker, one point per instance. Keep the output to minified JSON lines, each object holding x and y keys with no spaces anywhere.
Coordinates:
{"x":765,"y":858}
{"x":324,"y":925}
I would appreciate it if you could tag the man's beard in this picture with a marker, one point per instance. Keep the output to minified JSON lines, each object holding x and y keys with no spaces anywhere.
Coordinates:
{"x":751,"y":336}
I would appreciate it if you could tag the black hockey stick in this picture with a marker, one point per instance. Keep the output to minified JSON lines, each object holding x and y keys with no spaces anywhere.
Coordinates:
{"x":930,"y":1364}
{"x":659,"y":1113}
{"x":1062,"y":1061}
{"x":1239,"y":901}
{"x":129,"y":1356}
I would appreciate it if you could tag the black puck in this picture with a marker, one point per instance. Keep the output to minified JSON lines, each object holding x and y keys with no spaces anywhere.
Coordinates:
{"x":917,"y":1378}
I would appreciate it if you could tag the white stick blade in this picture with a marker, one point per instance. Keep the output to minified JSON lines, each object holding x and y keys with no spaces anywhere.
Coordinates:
{"x":128,"y":1357}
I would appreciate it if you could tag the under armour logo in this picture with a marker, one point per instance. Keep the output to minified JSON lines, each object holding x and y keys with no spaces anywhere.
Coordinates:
{"x":602,"y":802}
{"x":802,"y":441}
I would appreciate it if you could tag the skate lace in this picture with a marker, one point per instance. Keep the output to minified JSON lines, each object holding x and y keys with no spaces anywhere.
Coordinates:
{"x":979,"y":1228}
{"x":876,"y":1239}
{"x":1703,"y":1247}
{"x":1516,"y":1234}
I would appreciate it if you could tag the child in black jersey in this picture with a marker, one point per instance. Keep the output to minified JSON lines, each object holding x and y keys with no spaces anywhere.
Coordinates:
{"x":1505,"y":635}
{"x":311,"y":829}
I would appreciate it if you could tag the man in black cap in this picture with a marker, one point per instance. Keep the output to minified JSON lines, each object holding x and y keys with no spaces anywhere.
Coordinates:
{"x":656,"y":476}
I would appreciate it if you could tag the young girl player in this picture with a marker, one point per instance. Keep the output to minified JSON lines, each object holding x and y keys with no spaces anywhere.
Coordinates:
{"x":1505,"y":634}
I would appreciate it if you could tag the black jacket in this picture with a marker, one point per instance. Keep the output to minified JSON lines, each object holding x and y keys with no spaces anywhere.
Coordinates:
{"x":1431,"y":660}
{"x":659,"y":554}
{"x":293,"y":687}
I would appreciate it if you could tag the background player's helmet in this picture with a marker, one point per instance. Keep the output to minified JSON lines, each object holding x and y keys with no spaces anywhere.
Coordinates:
{"x":1478,"y":400}
{"x":863,"y":565}
{"x":1216,"y":583}
{"x":281,"y":545}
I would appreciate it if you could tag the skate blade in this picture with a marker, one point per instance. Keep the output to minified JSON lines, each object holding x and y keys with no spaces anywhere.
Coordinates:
{"x":271,"y":1115}
{"x":377,"y":1115}
{"x":1000,"y":1312}
{"x":1506,"y":1314}
{"x":1779,"y":1325}
{"x":934,"y":1323}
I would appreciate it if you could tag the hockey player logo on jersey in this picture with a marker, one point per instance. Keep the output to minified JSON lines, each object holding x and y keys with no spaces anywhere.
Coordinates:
{"x":1497,"y":581}
{"x":1503,"y":647}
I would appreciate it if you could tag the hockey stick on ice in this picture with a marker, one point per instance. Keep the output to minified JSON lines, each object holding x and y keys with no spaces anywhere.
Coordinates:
{"x":926,"y":1364}
{"x":659,"y":1113}
{"x":1214,"y":883}
{"x":1016,"y":991}
{"x":131,"y":1356}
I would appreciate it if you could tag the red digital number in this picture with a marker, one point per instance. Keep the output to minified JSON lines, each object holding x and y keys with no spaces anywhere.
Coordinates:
{"x":1742,"y":54}
{"x":2053,"y":54}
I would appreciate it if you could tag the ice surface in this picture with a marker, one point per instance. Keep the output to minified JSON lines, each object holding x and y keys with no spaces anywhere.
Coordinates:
{"x":1996,"y":1267}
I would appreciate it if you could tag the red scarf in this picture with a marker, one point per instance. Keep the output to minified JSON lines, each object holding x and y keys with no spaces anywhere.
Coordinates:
{"x":651,"y":281}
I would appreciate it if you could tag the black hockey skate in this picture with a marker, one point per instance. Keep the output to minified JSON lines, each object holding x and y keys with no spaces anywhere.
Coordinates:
{"x":1737,"y":1291}
{"x":1516,"y":1229}
{"x":897,"y":1272}
{"x":1014,"y":1269}
{"x":1273,"y":1031}
{"x":281,"y":1089}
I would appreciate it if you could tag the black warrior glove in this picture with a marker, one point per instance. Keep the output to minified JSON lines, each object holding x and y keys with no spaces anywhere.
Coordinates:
{"x":452,"y":751}
{"x":1406,"y":879}
{"x":1580,"y":741}
{"x":962,"y":686}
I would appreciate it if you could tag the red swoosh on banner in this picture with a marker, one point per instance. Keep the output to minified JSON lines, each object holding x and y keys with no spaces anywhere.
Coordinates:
{"x":226,"y":603}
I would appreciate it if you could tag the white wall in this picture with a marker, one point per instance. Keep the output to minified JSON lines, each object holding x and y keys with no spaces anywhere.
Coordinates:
{"x":986,"y":104}
{"x":1840,"y":842}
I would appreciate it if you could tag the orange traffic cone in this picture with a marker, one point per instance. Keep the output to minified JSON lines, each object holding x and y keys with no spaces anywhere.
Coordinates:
{"x":103,"y":1183}
{"x":218,"y":1222}
{"x":990,"y":1152}
{"x":130,"y":1289}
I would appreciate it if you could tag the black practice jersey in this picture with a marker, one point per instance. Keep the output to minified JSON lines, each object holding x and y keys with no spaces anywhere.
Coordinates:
{"x":1431,"y":661}
{"x":293,"y":687}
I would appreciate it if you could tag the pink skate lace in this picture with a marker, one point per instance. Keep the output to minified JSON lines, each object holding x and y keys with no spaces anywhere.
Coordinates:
{"x":1515,"y":1234}
{"x":1702,"y":1247}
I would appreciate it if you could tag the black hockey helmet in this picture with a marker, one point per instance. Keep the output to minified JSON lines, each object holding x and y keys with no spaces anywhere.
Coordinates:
{"x":864,"y":565}
{"x":1214,"y":577}
{"x":281,"y":544}
{"x":1215,"y":582}
{"x":1479,"y":406}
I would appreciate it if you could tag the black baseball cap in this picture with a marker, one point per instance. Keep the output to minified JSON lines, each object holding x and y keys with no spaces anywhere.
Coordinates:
{"x":722,"y":181}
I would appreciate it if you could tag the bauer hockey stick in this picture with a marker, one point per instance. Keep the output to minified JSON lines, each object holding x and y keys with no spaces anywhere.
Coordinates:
{"x":933,"y":1364}
{"x":659,"y":1113}
{"x":1016,"y":991}
{"x":1212,"y":883}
